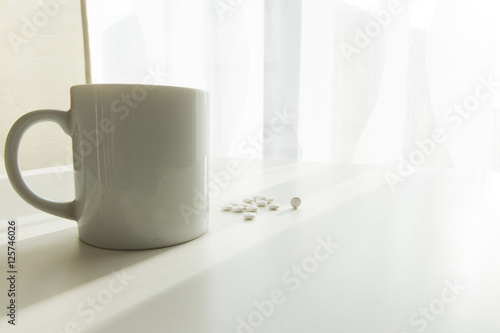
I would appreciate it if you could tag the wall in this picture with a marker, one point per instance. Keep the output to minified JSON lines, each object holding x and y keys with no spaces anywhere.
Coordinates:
{"x":41,"y":57}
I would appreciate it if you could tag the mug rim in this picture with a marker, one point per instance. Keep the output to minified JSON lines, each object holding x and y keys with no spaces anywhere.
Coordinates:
{"x":131,"y":85}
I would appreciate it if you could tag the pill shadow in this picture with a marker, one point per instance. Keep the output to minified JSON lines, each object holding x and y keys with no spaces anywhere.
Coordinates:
{"x":287,"y":211}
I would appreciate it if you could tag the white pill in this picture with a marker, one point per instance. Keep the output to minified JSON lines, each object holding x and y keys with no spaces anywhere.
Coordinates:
{"x":295,"y":202}
{"x":261,"y":203}
{"x":260,"y":197}
{"x":238,"y":209}
{"x":273,"y":206}
{"x":226,"y":207}
{"x":255,"y":197}
{"x":269,"y":200}
{"x":249,"y":216}
{"x":234,"y":203}
{"x":247,"y":200}
{"x":251,"y":208}
{"x":244,"y":204}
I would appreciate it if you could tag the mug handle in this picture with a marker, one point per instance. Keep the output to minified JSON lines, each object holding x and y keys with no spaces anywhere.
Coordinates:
{"x":62,"y":209}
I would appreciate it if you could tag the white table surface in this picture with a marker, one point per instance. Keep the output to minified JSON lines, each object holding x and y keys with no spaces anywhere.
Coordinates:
{"x":397,"y":256}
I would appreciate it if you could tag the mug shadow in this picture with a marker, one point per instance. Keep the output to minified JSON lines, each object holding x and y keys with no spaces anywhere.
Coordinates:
{"x":57,"y":262}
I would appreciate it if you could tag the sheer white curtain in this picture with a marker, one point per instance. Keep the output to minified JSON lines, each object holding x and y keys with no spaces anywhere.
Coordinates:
{"x":399,"y":83}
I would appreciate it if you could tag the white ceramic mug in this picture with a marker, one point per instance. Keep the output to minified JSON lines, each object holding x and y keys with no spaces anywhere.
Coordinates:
{"x":140,"y":158}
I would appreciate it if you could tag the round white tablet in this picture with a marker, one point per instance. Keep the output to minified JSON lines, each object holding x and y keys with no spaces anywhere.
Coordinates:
{"x":251,"y":208}
{"x":273,"y":206}
{"x":238,"y":209}
{"x":247,"y":200}
{"x":295,"y":202}
{"x":249,"y":216}
{"x":269,"y":200}
{"x":226,"y":207}
{"x":261,"y":203}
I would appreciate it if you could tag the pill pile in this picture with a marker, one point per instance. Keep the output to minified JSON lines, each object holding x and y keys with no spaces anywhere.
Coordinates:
{"x":250,"y":205}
